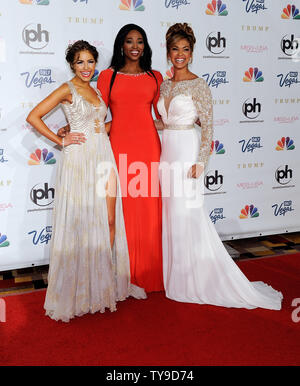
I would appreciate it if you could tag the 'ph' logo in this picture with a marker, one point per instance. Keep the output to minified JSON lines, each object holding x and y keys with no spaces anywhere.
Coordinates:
{"x":41,"y":196}
{"x":213,"y":182}
{"x":215,"y":43}
{"x":289,"y":46}
{"x":283,"y":176}
{"x":251,"y":110}
{"x":35,"y":38}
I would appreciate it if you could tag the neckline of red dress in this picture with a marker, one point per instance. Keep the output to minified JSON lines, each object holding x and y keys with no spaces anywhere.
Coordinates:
{"x":125,"y":73}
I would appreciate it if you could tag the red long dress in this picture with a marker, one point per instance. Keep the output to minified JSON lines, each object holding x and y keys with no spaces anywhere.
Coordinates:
{"x":136,"y":147}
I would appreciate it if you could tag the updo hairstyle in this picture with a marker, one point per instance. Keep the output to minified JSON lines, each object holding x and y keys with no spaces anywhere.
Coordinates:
{"x":180,"y":31}
{"x":75,"y":48}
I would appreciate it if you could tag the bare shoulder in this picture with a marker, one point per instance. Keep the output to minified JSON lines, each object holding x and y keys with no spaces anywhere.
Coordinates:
{"x":62,"y":93}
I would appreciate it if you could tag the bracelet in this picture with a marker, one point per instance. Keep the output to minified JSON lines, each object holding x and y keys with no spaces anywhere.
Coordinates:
{"x":63,"y":142}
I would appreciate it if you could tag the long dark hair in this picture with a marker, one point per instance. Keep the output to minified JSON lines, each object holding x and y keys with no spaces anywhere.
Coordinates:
{"x":118,"y":60}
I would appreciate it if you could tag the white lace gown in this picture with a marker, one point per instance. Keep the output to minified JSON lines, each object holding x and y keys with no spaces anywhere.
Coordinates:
{"x":85,"y":275}
{"x":196,"y":265}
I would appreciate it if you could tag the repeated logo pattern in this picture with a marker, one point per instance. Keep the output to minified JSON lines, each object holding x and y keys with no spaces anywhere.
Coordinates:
{"x":37,"y":2}
{"x":249,"y":211}
{"x":290,"y":12}
{"x":136,"y":5}
{"x":253,"y":75}
{"x":42,"y":156}
{"x":285,"y":142}
{"x":3,"y":241}
{"x":217,"y":147}
{"x":216,"y":8}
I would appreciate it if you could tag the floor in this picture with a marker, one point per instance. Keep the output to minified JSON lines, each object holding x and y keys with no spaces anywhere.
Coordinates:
{"x":35,"y":278}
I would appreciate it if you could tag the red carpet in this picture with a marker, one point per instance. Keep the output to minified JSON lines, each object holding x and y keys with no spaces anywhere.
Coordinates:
{"x":158,"y":331}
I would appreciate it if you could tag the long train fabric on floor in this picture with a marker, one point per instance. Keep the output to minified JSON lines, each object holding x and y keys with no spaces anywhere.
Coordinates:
{"x":158,"y":331}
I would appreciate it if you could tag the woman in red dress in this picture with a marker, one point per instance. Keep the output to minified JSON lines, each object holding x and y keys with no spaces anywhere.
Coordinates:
{"x":130,"y":88}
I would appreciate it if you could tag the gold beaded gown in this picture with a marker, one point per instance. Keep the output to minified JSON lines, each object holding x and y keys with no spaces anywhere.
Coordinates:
{"x":85,"y":274}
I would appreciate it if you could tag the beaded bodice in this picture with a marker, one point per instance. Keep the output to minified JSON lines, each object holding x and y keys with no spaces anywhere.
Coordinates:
{"x":82,"y":115}
{"x":183,"y":103}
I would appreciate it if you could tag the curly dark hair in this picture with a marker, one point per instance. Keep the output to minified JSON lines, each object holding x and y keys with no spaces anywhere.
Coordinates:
{"x":75,"y":48}
{"x":118,"y":60}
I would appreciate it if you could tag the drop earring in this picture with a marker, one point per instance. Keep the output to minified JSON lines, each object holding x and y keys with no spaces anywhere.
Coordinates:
{"x":122,"y":52}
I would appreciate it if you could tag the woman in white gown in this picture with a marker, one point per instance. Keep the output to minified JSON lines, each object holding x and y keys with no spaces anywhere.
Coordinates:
{"x":196,"y":265}
{"x":89,"y":261}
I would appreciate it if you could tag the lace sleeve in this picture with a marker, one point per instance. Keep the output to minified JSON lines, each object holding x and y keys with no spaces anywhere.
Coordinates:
{"x":203,"y":101}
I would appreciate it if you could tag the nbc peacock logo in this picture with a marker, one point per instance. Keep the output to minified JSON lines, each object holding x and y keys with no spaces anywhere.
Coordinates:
{"x":217,"y":148}
{"x":249,"y":211}
{"x":135,"y":5}
{"x":41,"y":157}
{"x":3,"y":241}
{"x":216,"y":8}
{"x":37,"y":2}
{"x":169,"y":73}
{"x":253,"y":74}
{"x":290,"y":12}
{"x":285,"y":143}
{"x":95,"y":76}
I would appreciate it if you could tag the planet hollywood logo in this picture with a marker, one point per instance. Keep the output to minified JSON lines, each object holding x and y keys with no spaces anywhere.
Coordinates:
{"x":217,"y":214}
{"x":283,"y":176}
{"x":39,"y":78}
{"x":289,"y":79}
{"x":253,"y":143}
{"x":251,"y":109}
{"x":283,"y":208}
{"x":213,"y":182}
{"x":176,"y":3}
{"x":42,"y":236}
{"x":254,"y":6}
{"x":216,"y":79}
{"x":216,"y":44}
{"x":41,"y":195}
{"x":36,"y":38}
{"x":290,"y":46}
{"x":135,"y":5}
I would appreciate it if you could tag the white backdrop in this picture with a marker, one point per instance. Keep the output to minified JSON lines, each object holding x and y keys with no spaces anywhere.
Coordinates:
{"x":246,"y":50}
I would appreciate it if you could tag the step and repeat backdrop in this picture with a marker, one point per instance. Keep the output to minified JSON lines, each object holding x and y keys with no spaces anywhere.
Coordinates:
{"x":246,"y":50}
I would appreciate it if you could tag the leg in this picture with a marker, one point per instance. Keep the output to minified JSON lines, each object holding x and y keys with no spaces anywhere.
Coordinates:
{"x":111,"y":193}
